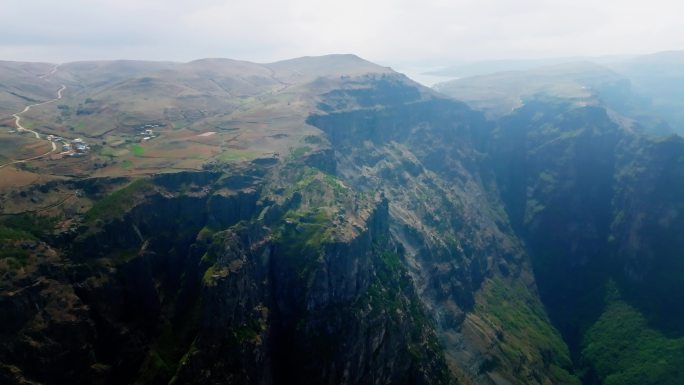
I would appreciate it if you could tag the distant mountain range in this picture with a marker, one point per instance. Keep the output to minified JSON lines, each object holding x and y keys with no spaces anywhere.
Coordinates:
{"x":647,"y":88}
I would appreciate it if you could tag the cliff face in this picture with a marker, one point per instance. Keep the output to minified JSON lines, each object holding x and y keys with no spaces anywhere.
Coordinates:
{"x":597,"y":206}
{"x":308,"y":294}
{"x":284,"y":275}
{"x":555,"y":170}
{"x":427,"y":158}
{"x":122,"y":283}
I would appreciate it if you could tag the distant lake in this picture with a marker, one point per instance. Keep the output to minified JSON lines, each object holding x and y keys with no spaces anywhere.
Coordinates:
{"x":420,"y":75}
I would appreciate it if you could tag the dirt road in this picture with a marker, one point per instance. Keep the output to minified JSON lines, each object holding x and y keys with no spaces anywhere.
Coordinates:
{"x":21,"y":128}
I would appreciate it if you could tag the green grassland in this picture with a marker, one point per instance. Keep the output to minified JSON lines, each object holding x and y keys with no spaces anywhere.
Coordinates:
{"x":137,"y":150}
{"x":621,"y":348}
{"x":117,"y":202}
{"x":18,"y":229}
{"x":529,"y":337}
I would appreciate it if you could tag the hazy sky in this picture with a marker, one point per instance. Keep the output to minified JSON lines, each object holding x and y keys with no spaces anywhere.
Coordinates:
{"x":386,"y":31}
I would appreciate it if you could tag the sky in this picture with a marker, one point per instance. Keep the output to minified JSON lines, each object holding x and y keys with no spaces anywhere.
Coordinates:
{"x":390,"y":32}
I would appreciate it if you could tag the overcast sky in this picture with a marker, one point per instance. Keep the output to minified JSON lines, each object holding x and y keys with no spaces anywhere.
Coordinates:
{"x":386,"y":31}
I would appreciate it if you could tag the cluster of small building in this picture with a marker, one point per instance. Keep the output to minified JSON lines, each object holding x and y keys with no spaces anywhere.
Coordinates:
{"x":147,"y":132}
{"x":71,"y":147}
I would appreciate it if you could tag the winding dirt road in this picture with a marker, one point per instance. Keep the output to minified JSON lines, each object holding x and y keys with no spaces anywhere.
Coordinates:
{"x":20,"y":128}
